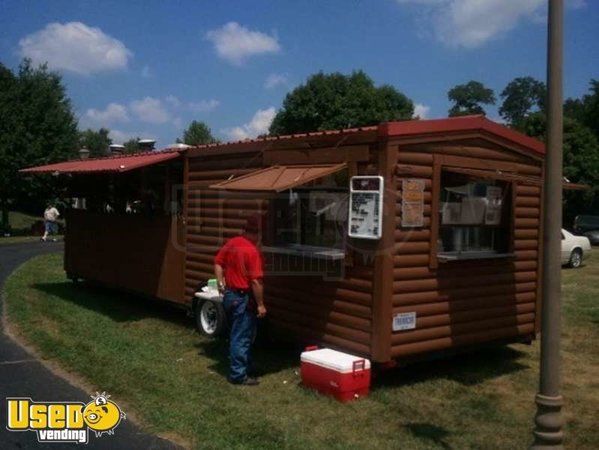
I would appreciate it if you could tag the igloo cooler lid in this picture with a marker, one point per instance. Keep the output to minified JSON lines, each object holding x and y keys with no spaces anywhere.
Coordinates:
{"x":333,"y":360}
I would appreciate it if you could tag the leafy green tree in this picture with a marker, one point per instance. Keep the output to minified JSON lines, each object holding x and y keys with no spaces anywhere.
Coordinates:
{"x":468,"y":98}
{"x":581,"y":162}
{"x":586,"y":109}
{"x":132,"y":145}
{"x":332,"y":101}
{"x":198,"y":133}
{"x":97,"y":142}
{"x":37,"y":126}
{"x":521,"y":97}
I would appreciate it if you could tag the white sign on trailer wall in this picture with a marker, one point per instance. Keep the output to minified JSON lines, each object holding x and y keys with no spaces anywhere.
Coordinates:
{"x":404,"y":321}
{"x":366,"y":207}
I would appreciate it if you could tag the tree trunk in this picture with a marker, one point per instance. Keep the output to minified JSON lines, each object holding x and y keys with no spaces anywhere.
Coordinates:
{"x":4,"y":225}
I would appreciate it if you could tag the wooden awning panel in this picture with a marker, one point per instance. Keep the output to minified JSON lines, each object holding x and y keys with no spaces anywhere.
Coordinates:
{"x":279,"y":178}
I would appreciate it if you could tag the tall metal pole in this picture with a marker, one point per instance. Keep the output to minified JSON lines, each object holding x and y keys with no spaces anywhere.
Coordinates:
{"x":548,"y":432}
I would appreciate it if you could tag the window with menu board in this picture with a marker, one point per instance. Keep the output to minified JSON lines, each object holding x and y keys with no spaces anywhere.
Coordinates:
{"x":474,"y":217}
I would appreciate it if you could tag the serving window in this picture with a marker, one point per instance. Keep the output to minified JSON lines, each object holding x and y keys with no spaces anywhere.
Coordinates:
{"x":311,"y":220}
{"x":308,"y":207}
{"x":474,"y":217}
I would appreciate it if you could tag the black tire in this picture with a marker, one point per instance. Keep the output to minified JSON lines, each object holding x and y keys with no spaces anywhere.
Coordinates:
{"x":575,"y":259}
{"x":210,"y":318}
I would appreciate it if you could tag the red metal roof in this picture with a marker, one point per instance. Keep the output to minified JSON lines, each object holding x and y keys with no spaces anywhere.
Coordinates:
{"x":407,"y":128}
{"x":118,"y":164}
{"x":398,"y":129}
{"x":460,"y":124}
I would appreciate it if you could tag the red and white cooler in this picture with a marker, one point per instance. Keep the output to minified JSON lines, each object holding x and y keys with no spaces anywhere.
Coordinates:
{"x":343,"y":376}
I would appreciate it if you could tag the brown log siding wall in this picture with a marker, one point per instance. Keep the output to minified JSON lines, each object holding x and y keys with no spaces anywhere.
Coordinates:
{"x":465,"y":302}
{"x":310,"y":309}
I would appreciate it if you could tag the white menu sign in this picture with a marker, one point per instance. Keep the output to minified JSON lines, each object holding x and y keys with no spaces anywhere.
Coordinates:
{"x":365,"y":207}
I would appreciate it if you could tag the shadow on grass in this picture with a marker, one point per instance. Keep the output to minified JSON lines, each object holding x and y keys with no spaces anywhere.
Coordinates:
{"x":272,"y":355}
{"x":430,"y":432}
{"x":269,"y":356}
{"x":469,"y":368}
{"x":117,"y":305}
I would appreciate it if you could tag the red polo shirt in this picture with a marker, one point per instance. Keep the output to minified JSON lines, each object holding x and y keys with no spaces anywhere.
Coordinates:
{"x":241,"y":261}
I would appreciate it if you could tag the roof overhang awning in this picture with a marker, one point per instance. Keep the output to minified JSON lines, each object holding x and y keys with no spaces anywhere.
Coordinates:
{"x":115,"y":164}
{"x":511,"y":177}
{"x":496,"y":175}
{"x":279,"y":178}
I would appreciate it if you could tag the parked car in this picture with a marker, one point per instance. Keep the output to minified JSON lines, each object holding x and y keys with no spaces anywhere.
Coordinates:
{"x":587,"y":226}
{"x":593,"y":236}
{"x":574,"y":249}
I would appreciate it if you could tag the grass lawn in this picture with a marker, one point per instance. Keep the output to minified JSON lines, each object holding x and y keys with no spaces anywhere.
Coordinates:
{"x":22,"y":221}
{"x":149,"y":356}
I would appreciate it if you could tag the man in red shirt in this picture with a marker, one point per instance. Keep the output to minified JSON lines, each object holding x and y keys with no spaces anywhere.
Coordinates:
{"x":239,"y":269}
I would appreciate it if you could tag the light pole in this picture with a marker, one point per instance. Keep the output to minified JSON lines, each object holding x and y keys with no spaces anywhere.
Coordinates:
{"x":548,"y":432}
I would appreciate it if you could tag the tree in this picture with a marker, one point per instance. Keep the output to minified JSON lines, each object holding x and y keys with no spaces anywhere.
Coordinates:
{"x":332,"y":101}
{"x":521,"y":97}
{"x":97,"y":142}
{"x":581,"y":162}
{"x":132,"y":145}
{"x":37,"y":126}
{"x":586,"y":109}
{"x":468,"y":98}
{"x":198,"y":133}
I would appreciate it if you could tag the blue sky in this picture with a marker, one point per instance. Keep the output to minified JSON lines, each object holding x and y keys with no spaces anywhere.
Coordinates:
{"x":147,"y":68}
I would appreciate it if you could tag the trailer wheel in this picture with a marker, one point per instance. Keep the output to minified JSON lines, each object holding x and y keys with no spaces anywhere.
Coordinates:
{"x":210,"y":318}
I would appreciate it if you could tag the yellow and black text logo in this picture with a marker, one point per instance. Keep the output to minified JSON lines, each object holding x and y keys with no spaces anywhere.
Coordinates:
{"x":64,"y":421}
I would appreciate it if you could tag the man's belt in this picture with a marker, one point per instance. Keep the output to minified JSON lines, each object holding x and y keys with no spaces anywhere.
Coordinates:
{"x":239,"y":291}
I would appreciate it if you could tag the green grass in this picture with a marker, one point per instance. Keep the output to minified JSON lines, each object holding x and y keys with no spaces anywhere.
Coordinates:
{"x":24,"y":239}
{"x":22,"y":221}
{"x":149,"y":356}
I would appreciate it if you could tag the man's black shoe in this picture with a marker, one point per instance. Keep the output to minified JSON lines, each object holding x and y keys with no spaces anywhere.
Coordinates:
{"x":249,"y":381}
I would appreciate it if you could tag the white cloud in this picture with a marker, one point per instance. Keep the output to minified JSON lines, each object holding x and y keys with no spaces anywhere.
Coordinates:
{"x":472,"y":23}
{"x":235,"y":43}
{"x":258,"y":125}
{"x":75,"y":47}
{"x":203,"y":105}
{"x":421,"y":111}
{"x":275,"y":79}
{"x":113,"y":113}
{"x":150,"y":110}
{"x":173,"y":101}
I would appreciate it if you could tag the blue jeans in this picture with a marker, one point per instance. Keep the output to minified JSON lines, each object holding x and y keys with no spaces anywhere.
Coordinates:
{"x":51,"y":227}
{"x":242,"y":321}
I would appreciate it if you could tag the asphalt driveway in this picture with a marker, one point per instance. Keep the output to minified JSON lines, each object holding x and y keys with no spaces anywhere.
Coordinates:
{"x":21,"y":375}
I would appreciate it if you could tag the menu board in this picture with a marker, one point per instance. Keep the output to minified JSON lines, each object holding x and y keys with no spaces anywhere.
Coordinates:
{"x":365,"y":207}
{"x":412,"y":203}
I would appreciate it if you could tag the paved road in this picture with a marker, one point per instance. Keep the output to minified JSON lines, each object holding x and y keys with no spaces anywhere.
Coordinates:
{"x":22,"y":376}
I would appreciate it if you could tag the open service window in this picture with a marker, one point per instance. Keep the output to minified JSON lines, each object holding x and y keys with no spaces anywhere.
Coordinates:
{"x":310,"y":220}
{"x":474,"y":217}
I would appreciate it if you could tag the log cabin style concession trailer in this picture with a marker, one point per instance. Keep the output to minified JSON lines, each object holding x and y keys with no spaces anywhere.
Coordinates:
{"x":392,"y":242}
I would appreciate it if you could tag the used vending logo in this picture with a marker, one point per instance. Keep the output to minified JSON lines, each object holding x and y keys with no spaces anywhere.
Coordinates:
{"x":64,"y":421}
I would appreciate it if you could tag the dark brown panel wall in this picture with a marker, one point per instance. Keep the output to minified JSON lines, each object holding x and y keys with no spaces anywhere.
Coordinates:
{"x":309,"y":308}
{"x":465,"y":302}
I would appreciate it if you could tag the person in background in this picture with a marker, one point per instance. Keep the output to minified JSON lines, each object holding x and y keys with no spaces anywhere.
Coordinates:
{"x":239,"y":269}
{"x":50,"y":226}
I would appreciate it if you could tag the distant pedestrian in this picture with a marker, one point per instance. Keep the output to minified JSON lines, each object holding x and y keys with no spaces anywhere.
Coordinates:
{"x":50,"y":225}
